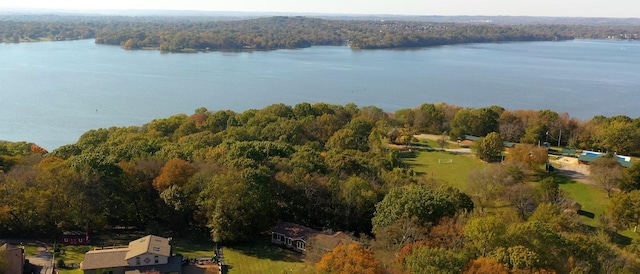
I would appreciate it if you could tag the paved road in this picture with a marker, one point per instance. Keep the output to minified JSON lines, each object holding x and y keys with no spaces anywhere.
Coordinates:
{"x":42,"y":261}
{"x":42,"y":258}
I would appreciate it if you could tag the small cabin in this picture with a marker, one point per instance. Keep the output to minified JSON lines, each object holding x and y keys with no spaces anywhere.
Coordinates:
{"x":74,"y":238}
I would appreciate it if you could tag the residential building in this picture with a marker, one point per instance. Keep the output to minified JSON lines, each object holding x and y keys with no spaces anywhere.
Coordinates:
{"x":301,"y":238}
{"x":150,"y":253}
{"x":14,"y":256}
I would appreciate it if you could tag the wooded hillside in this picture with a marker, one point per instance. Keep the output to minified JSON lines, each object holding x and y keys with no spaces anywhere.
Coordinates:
{"x":234,"y":175}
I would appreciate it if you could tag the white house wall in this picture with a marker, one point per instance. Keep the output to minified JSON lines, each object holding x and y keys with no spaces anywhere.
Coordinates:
{"x":148,"y":259}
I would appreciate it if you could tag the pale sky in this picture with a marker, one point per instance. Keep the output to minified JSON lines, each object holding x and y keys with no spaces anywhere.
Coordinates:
{"x":568,"y":8}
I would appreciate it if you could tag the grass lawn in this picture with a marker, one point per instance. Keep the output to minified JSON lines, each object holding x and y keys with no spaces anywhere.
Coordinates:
{"x":262,"y":257}
{"x":73,"y":254}
{"x":593,"y":199}
{"x":456,"y":173}
{"x":70,"y":271}
{"x":426,"y":143}
{"x":193,"y":248}
{"x":30,"y":249}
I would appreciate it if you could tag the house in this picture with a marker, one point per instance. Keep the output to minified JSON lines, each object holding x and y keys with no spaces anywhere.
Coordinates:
{"x":301,"y":238}
{"x":75,"y":238}
{"x":150,"y":253}
{"x":14,"y":256}
{"x":292,"y":236}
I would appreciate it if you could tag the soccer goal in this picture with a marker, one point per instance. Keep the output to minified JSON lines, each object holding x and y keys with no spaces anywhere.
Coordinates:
{"x":445,"y":161}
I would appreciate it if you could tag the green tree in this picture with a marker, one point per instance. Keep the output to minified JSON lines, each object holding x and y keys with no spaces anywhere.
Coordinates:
{"x":343,"y":139}
{"x":618,"y":135}
{"x":238,"y":204}
{"x":461,"y":124}
{"x":425,"y":259}
{"x":489,"y":146}
{"x":624,"y":210}
{"x":549,"y":245}
{"x":517,"y":257}
{"x":428,"y":118}
{"x":630,"y":178}
{"x":552,"y":215}
{"x":548,"y":191}
{"x":405,"y":212}
{"x":359,"y":200}
{"x":418,"y":203}
{"x":485,"y":234}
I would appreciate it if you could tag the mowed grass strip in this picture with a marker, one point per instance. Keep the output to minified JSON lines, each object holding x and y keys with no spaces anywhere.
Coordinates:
{"x":456,"y":173}
{"x":70,"y":271}
{"x":261,"y":257}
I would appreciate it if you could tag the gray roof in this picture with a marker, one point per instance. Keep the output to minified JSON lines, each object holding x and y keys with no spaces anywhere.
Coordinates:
{"x":294,"y":231}
{"x":104,"y":258}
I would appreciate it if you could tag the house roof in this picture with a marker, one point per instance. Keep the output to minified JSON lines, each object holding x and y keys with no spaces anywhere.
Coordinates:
{"x":471,"y":137}
{"x":294,"y":231}
{"x":104,"y":258}
{"x":8,"y":247}
{"x":466,"y":143}
{"x":149,"y":244}
{"x":509,"y":144}
{"x":118,"y":256}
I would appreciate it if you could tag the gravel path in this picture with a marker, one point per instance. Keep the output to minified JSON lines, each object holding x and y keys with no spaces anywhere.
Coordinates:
{"x":570,"y":167}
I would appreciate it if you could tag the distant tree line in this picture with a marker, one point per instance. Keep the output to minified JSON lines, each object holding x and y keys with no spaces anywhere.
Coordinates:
{"x":183,"y":34}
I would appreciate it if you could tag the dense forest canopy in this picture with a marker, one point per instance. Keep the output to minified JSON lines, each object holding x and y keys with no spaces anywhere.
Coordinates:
{"x":184,"y":34}
{"x":234,"y":175}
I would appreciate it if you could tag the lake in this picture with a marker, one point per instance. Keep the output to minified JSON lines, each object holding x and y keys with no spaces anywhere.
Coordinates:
{"x":52,"y":92}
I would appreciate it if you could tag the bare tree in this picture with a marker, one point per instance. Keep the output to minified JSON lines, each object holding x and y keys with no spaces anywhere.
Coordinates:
{"x":522,"y":197}
{"x":606,"y":172}
{"x":443,"y":141}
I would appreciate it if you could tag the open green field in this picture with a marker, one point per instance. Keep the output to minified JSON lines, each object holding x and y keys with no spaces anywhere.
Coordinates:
{"x":593,"y":199}
{"x":261,"y":257}
{"x":455,"y":173}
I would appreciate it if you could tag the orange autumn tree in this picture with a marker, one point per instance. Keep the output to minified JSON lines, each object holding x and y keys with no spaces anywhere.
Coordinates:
{"x":352,"y":258}
{"x":176,"y":172}
{"x":484,"y":265}
{"x":38,"y":149}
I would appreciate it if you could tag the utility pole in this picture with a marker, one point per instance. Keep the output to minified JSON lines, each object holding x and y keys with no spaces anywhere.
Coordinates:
{"x":559,"y":137}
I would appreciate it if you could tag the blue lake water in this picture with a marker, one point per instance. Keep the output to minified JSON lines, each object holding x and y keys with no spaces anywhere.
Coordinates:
{"x":52,"y":92}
